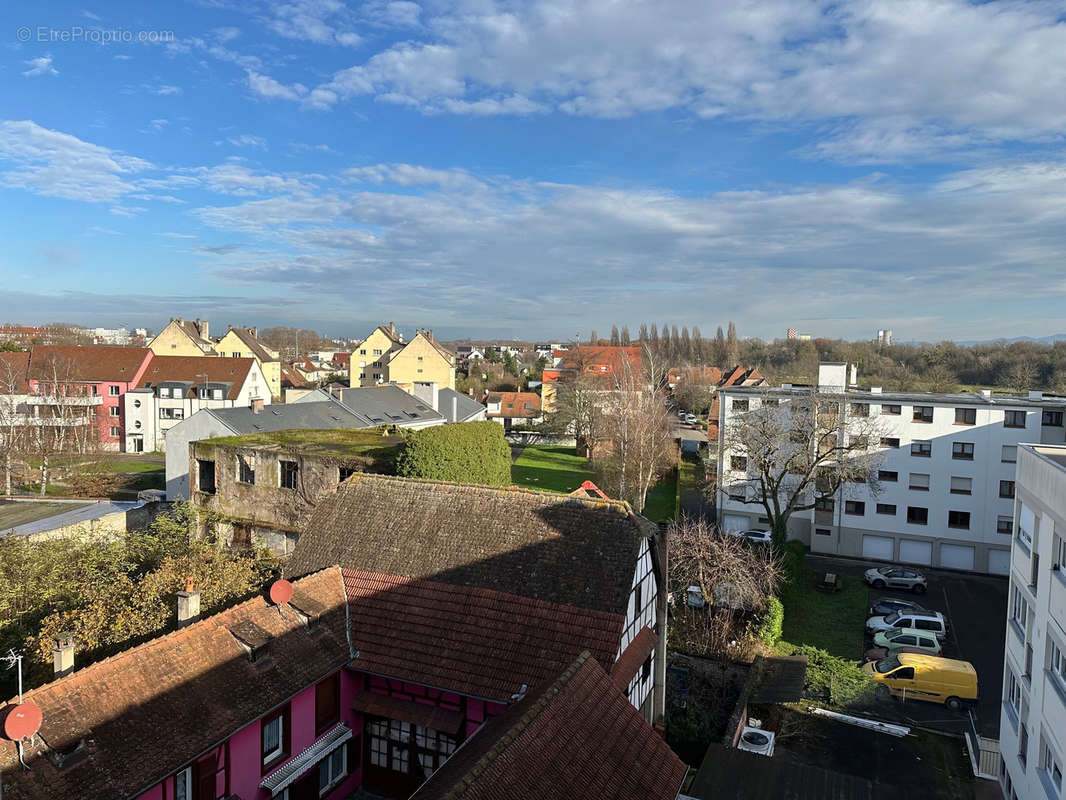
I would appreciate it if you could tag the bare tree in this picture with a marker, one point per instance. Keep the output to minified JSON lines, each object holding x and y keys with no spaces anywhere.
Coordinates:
{"x":11,"y":416}
{"x":62,"y":419}
{"x":794,"y":452}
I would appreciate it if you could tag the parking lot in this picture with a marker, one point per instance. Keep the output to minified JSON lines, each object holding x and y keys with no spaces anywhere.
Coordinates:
{"x":975,"y":607}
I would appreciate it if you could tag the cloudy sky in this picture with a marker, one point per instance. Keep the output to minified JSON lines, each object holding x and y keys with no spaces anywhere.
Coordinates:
{"x":499,"y":168}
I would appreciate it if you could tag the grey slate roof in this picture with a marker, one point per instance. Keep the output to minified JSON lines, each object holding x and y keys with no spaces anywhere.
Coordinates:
{"x":387,"y":405}
{"x":466,"y":405}
{"x":561,"y":549}
{"x":292,"y":416}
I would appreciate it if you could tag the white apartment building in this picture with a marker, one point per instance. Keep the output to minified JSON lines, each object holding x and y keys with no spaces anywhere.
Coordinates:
{"x":946,"y":477}
{"x":1032,"y":731}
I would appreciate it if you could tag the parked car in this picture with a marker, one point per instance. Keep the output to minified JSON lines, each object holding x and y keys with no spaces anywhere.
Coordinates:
{"x":877,"y":653}
{"x":896,"y":640}
{"x":753,"y":536}
{"x":897,"y":578}
{"x":929,"y":678}
{"x":886,"y":605}
{"x":925,"y":621}
{"x":691,"y":419}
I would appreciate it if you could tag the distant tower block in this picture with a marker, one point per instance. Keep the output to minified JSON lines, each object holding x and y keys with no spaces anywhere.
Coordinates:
{"x":791,"y":333}
{"x":884,"y":337}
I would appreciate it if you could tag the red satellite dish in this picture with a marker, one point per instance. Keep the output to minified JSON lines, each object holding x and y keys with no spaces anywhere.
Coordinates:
{"x":280,"y":591}
{"x":23,"y":721}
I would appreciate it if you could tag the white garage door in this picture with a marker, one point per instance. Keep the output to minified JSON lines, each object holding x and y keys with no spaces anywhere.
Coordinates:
{"x":956,"y":556}
{"x":915,"y":552}
{"x":999,"y":562}
{"x":877,"y":547}
{"x":735,"y":522}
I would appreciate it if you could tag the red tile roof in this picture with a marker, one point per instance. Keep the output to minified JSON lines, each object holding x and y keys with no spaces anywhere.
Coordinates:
{"x":13,"y":367}
{"x":597,"y":360}
{"x":515,"y":404}
{"x":152,"y":709}
{"x":197,"y":370}
{"x":89,"y":363}
{"x":633,"y":657}
{"x":577,"y":735}
{"x":469,"y":640}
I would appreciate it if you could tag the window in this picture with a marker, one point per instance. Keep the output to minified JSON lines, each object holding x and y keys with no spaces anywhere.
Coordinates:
{"x":113,"y":411}
{"x":854,"y":507}
{"x":235,"y":355}
{"x":332,"y":769}
{"x":362,"y":352}
{"x":288,"y":473}
{"x":420,"y":358}
{"x":377,"y":352}
{"x":959,"y":519}
{"x":93,"y":390}
{"x":893,"y":410}
{"x":1057,"y":662}
{"x":1019,"y":607}
{"x":886,"y":508}
{"x":739,"y":463}
{"x":1060,"y":553}
{"x":645,"y":669}
{"x":114,"y":391}
{"x":965,"y":416}
{"x":923,"y":414}
{"x":741,"y":405}
{"x":1013,"y":419}
{"x":962,"y":451}
{"x":887,"y":475}
{"x":823,"y":532}
{"x":1014,"y":692}
{"x":961,"y":485}
{"x":183,"y":784}
{"x":824,"y":504}
{"x":164,"y":391}
{"x":919,"y":482}
{"x":115,"y":431}
{"x":1051,"y":418}
{"x":344,"y":473}
{"x":917,"y":516}
{"x":922,"y":448}
{"x":327,"y":703}
{"x":171,"y":413}
{"x":1004,"y":524}
{"x":205,"y":470}
{"x":275,"y":736}
{"x":1006,"y":489}
{"x":245,"y":471}
{"x":860,"y":409}
{"x":889,"y":441}
{"x":216,"y":394}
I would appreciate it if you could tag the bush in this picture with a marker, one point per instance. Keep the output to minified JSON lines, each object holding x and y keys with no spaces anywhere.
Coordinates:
{"x":467,"y":452}
{"x":792,"y":560}
{"x":835,"y":680}
{"x":768,"y":626}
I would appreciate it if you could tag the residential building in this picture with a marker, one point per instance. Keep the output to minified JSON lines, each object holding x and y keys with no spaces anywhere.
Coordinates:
{"x":384,"y":357}
{"x":1032,"y":731}
{"x":454,"y":406}
{"x":182,"y":337}
{"x":601,"y":364}
{"x":593,"y":555}
{"x":884,"y":337}
{"x":372,"y":354}
{"x":513,"y":409}
{"x":944,"y":494}
{"x":245,"y":343}
{"x":105,"y":371}
{"x":173,"y":388}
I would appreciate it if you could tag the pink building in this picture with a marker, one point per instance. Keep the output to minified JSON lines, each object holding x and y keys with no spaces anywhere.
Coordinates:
{"x":101,"y":371}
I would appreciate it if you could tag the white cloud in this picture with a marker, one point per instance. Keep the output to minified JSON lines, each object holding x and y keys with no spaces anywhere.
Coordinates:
{"x":248,"y":140}
{"x":90,"y":15}
{"x":167,"y":91}
{"x":42,"y":65}
{"x":172,"y":235}
{"x":266,"y":87}
{"x":318,"y":21}
{"x":60,"y":165}
{"x":158,"y":124}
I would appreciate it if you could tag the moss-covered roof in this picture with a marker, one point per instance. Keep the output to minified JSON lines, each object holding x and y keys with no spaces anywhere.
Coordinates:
{"x":361,"y":443}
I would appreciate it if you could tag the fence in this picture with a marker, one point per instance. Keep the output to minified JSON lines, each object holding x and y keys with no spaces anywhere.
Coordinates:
{"x":984,"y":752}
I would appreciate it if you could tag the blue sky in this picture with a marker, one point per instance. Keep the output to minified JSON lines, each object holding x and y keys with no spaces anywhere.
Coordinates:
{"x":537,"y":169}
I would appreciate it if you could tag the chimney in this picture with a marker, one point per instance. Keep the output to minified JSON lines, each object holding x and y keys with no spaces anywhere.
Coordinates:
{"x":63,"y":654}
{"x":392,"y":328}
{"x":203,"y":328}
{"x":188,"y":605}
{"x":255,"y":332}
{"x":986,"y":393}
{"x":455,"y":409}
{"x":1034,"y":395}
{"x":257,"y":405}
{"x":875,"y":390}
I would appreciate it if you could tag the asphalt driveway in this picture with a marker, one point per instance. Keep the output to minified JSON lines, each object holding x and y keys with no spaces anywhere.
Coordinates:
{"x":976,"y":609}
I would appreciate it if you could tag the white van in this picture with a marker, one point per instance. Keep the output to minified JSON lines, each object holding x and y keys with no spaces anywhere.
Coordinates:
{"x":927,"y":621}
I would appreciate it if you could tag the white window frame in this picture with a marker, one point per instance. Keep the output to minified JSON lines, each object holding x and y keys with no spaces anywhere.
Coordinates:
{"x":113,"y":411}
{"x":114,"y":391}
{"x":164,"y":391}
{"x":115,"y":431}
{"x":185,"y":774}
{"x":1051,"y":764}
{"x":334,"y":780}
{"x":280,"y":720}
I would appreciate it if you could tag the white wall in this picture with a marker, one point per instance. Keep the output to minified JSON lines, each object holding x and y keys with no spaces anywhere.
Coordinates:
{"x":201,"y":425}
{"x":637,"y":617}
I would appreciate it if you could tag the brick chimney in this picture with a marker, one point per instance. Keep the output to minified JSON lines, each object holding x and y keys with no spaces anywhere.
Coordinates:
{"x":204,"y":329}
{"x":188,"y":605}
{"x":392,"y":328}
{"x":257,"y":405}
{"x":255,"y":332}
{"x":63,"y":654}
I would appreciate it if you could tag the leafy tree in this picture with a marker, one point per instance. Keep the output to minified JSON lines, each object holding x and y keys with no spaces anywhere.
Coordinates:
{"x":468,"y":452}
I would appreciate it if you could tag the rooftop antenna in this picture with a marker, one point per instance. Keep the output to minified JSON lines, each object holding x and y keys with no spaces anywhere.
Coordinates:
{"x":14,"y":660}
{"x":24,"y":720}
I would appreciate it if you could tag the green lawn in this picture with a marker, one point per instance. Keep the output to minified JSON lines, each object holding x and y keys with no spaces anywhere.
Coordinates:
{"x":832,"y":622}
{"x":556,"y":469}
{"x":661,"y":503}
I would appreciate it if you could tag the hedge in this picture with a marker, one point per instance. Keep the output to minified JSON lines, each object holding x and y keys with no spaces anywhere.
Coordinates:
{"x":768,"y":627}
{"x":834,"y":680}
{"x":467,"y":452}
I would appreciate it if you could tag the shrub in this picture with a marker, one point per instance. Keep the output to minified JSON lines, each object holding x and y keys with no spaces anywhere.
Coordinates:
{"x":792,"y":560}
{"x":835,"y":680}
{"x":768,"y":626}
{"x":467,"y":452}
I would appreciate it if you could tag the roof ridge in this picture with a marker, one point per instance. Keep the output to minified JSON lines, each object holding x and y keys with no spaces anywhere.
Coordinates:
{"x":519,"y":727}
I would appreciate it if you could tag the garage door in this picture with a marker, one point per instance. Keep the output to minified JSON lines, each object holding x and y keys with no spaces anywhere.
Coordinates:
{"x":735,"y":522}
{"x":956,"y":556}
{"x":999,"y":562}
{"x":877,"y":547}
{"x":915,"y":552}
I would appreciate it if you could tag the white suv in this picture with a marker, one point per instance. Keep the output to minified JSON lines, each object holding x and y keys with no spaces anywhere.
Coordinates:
{"x":926,"y":621}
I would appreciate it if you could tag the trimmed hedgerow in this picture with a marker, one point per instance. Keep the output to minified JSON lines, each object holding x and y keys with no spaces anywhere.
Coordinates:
{"x":467,"y":452}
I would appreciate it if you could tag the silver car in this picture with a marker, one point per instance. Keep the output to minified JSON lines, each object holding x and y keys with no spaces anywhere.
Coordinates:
{"x":896,"y":578}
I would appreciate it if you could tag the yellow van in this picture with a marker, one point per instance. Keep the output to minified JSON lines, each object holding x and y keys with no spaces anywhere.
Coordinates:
{"x":916,"y":676}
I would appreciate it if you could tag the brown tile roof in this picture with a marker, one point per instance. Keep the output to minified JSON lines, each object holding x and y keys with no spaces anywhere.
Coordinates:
{"x":90,"y":363}
{"x":577,"y":735}
{"x":633,"y":657}
{"x":192,"y":369}
{"x":595,"y":356}
{"x":13,"y":368}
{"x":292,"y":379}
{"x":252,"y":342}
{"x":175,"y":697}
{"x":469,"y":640}
{"x":390,"y":332}
{"x":192,"y":329}
{"x":579,"y":552}
{"x":516,"y":404}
